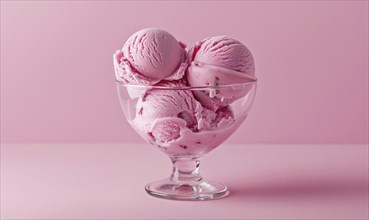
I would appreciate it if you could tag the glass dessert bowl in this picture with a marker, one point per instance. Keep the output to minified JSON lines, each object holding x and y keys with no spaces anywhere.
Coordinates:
{"x":186,"y":123}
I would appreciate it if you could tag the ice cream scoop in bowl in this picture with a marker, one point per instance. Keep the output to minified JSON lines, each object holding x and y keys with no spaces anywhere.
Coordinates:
{"x":170,"y":117}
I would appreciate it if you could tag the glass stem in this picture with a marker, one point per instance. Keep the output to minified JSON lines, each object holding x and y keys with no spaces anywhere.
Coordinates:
{"x":185,"y":170}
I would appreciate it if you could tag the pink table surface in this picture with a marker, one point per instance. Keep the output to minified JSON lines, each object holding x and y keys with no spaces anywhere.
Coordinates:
{"x":107,"y":182}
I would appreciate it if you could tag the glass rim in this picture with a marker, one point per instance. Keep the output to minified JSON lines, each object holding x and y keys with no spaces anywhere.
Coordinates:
{"x":127,"y":85}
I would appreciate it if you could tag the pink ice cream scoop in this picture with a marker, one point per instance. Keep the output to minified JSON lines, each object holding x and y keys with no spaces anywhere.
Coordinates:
{"x":162,"y":113}
{"x":218,"y":61}
{"x":148,"y":56}
{"x":226,"y":52}
{"x":165,"y":115}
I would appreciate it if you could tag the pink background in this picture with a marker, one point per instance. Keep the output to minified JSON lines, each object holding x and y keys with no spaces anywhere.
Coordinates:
{"x":57,"y":81}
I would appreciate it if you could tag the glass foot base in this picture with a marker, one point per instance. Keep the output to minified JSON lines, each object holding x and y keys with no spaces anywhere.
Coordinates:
{"x":202,"y":190}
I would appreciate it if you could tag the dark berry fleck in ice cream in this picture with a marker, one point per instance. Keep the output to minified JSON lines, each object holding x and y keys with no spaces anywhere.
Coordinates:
{"x":180,"y":115}
{"x":152,"y":138}
{"x":145,"y":96}
{"x":216,"y":82}
{"x":183,"y":146}
{"x":159,"y":146}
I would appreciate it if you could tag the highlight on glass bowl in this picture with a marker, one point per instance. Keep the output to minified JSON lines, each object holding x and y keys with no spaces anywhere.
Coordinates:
{"x":184,"y":101}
